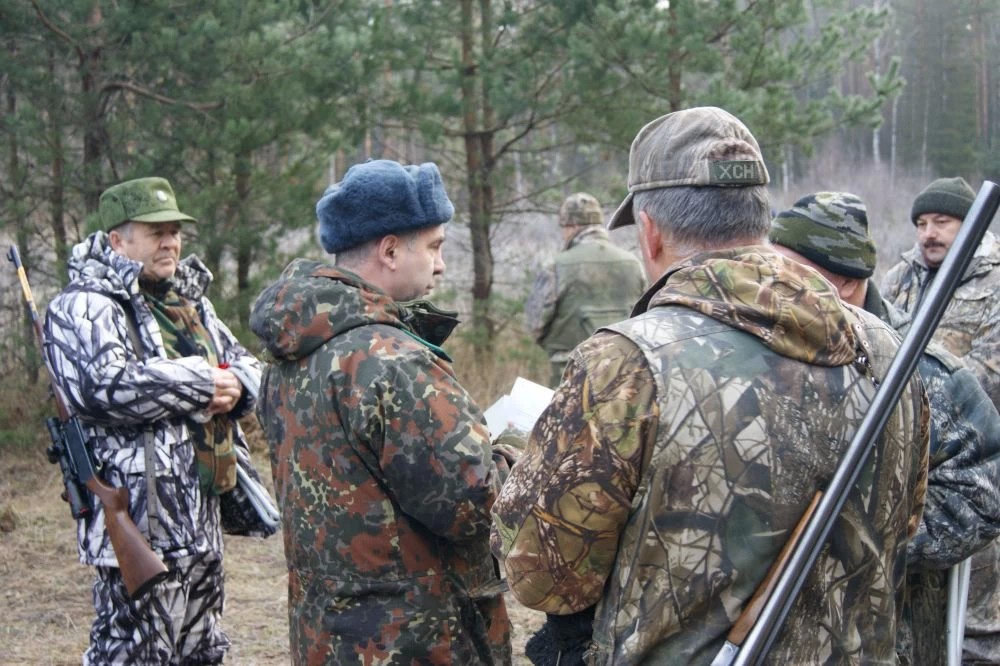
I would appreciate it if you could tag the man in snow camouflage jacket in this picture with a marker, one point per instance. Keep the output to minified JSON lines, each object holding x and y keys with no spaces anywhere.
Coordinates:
{"x":136,"y":349}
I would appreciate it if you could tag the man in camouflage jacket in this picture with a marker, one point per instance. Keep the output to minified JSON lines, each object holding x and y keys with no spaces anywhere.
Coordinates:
{"x":382,"y":461}
{"x":589,"y":284}
{"x":828,"y":231}
{"x":969,"y":329}
{"x":124,"y":372}
{"x":684,"y":444}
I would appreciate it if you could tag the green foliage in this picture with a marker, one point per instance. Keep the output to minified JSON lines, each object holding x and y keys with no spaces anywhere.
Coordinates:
{"x":24,"y":406}
{"x":251,"y":108}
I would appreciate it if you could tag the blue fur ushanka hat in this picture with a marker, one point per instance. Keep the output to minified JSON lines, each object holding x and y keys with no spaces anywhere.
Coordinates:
{"x":381,"y":197}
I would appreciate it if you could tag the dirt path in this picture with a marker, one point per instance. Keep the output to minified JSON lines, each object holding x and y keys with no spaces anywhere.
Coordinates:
{"x":45,"y":592}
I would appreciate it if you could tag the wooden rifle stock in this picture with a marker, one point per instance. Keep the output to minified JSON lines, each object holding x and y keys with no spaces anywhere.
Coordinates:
{"x":744,"y":623}
{"x":140,"y":566}
{"x":802,"y":551}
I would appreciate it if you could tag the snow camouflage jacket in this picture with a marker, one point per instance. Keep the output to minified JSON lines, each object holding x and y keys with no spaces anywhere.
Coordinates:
{"x":970,"y":327}
{"x":962,"y":510}
{"x":121,"y":393}
{"x":383,"y":472}
{"x":682,"y":447}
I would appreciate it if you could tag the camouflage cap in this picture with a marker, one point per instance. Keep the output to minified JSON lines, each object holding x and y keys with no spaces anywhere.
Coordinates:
{"x":703,"y":146}
{"x":140,"y":200}
{"x":580,"y":209}
{"x":829,"y":229}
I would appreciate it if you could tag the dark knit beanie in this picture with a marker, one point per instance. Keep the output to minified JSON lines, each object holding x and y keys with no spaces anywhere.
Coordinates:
{"x":831,"y":230}
{"x":378,"y":198}
{"x":946,"y":196}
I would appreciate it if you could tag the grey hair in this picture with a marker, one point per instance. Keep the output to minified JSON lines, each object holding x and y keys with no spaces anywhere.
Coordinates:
{"x":699,"y":218}
{"x":124,"y":229}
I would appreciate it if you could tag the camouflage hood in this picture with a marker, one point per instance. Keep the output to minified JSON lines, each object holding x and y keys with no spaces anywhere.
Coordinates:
{"x":789,"y":307}
{"x":313,"y":302}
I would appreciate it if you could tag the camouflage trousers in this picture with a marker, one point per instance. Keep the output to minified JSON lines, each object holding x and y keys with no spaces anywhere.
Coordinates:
{"x":177,"y":622}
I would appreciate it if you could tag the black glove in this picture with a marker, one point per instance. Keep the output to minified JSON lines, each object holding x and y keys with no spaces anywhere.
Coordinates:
{"x":562,"y":640}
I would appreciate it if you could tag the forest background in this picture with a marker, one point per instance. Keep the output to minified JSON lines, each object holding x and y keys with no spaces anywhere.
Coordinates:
{"x":251,"y":109}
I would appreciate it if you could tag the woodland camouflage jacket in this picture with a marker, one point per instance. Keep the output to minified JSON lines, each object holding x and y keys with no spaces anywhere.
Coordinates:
{"x":682,"y":447}
{"x":962,"y":510}
{"x":589,"y":284}
{"x":383,"y":473}
{"x":120,"y":393}
{"x":970,"y":327}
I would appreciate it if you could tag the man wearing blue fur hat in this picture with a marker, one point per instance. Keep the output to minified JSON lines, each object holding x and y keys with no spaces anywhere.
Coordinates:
{"x":382,"y":462}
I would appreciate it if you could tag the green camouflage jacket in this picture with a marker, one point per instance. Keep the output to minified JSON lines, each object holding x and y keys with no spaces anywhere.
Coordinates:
{"x":383,"y":473}
{"x":970,"y":327}
{"x":591,"y":283}
{"x":681,"y":449}
{"x":962,"y":512}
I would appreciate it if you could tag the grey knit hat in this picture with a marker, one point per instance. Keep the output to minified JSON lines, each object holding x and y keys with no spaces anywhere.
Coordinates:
{"x":580,"y":209}
{"x":829,"y":229}
{"x":946,"y":196}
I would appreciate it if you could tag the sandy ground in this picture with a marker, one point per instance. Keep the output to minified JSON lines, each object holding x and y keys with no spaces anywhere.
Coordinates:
{"x":45,"y":593}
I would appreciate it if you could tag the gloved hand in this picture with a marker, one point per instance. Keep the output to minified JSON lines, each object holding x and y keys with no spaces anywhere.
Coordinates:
{"x":562,"y":640}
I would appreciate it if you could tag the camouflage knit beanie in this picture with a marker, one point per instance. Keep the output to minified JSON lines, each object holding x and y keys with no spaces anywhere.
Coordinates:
{"x":378,"y":198}
{"x":831,"y":230}
{"x":946,"y":196}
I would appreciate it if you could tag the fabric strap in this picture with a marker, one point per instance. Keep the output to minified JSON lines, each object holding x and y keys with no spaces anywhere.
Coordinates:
{"x":148,"y":444}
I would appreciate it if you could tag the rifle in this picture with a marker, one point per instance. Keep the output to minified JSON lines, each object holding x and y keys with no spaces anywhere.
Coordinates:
{"x":758,"y":626}
{"x":140,"y":566}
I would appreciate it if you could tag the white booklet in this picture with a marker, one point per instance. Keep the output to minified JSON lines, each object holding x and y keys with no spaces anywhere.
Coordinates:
{"x":518,"y":409}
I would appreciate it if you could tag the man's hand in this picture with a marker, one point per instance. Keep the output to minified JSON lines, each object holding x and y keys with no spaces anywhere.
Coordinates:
{"x":228,"y":391}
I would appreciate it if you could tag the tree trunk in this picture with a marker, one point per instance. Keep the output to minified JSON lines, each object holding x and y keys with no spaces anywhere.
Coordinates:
{"x":94,"y":134}
{"x":478,"y":162}
{"x":23,"y":240}
{"x":246,"y":237}
{"x":57,"y":192}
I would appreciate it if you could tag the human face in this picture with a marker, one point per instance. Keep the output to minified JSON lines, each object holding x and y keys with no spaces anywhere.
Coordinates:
{"x":418,"y":263}
{"x":935,"y":234}
{"x":157,"y":246}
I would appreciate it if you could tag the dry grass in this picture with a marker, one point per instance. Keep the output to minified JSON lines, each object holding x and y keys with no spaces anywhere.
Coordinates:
{"x":46,"y":592}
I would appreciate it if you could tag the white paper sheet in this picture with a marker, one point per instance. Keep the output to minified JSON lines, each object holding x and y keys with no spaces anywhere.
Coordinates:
{"x":518,"y":409}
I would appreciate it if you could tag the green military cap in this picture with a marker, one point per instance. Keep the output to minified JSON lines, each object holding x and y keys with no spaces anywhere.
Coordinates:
{"x":829,"y":229}
{"x":140,"y":200}
{"x":580,"y":208}
{"x":702,"y":146}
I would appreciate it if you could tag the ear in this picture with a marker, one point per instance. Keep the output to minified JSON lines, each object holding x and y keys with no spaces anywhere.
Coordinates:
{"x":386,"y":252}
{"x":650,"y":238}
{"x":853,"y":291}
{"x":117,"y":242}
